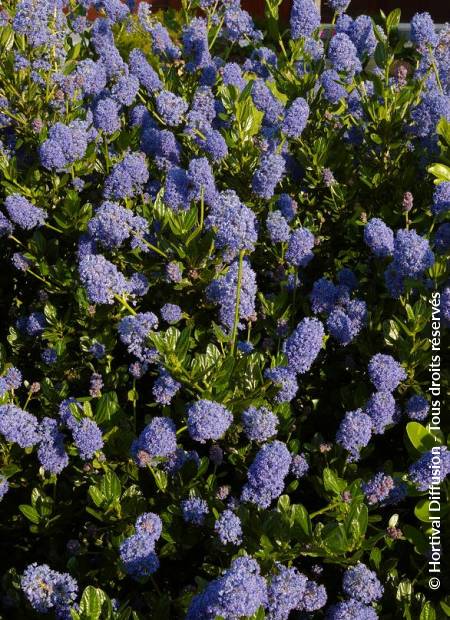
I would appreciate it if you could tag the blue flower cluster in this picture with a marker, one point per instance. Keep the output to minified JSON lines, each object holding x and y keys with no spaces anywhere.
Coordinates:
{"x":223,"y":291}
{"x":208,"y":420}
{"x":158,"y":439}
{"x":345,"y":316}
{"x":138,"y":551}
{"x":47,"y":589}
{"x":266,"y":475}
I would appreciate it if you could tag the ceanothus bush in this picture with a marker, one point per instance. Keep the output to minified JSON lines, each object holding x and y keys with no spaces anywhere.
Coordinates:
{"x":225,"y":296}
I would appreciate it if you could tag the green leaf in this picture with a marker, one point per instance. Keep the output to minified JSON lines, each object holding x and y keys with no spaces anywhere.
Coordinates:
{"x":375,"y":557}
{"x":422,"y":510}
{"x":440,"y":171}
{"x":9,"y":470}
{"x":357,"y":521}
{"x":336,"y":539}
{"x":393,"y":19}
{"x":300,"y":521}
{"x":443,"y":129}
{"x":183,"y":344}
{"x":30,"y":513}
{"x":415,"y":536}
{"x":91,"y":603}
{"x":284,"y":503}
{"x":97,"y":496}
{"x":445,"y":607}
{"x":107,"y":406}
{"x":160,"y":479}
{"x":421,"y":438}
{"x":428,"y":612}
{"x":260,"y":615}
{"x":380,"y":55}
{"x":332,"y":482}
{"x":110,"y":487}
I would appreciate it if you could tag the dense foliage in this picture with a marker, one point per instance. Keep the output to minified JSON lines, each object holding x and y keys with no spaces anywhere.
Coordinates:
{"x":223,"y":269}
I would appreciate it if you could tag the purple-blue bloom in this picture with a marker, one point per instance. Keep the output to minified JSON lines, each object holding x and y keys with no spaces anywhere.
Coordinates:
{"x":299,"y":251}
{"x":171,"y":313}
{"x":412,"y":254}
{"x":238,"y":593}
{"x":49,"y":356}
{"x":158,"y":439}
{"x":362,"y":35}
{"x":285,"y":379}
{"x":265,"y":101}
{"x":381,"y":410}
{"x":150,"y":524}
{"x":333,"y":90}
{"x":287,"y":206}
{"x":339,"y":6}
{"x":98,"y":350}
{"x":378,"y":488}
{"x":138,"y":555}
{"x":285,"y":592}
{"x":417,"y":408}
{"x":18,"y":426}
{"x":423,"y":32}
{"x":162,"y":44}
{"x":379,"y":237}
{"x":238,"y":25}
{"x":195,"y":44}
{"x":354,"y":432}
{"x":23,"y":213}
{"x":51,"y":452}
{"x":362,"y":584}
{"x":295,"y":118}
{"x":265,"y":477}
{"x":171,"y":108}
{"x":133,"y":332}
{"x":87,"y":437}
{"x":432,"y":468}
{"x":277,"y":227}
{"x":127,"y":178}
{"x":208,"y":420}
{"x":343,"y":55}
{"x":305,"y":18}
{"x":48,"y":589}
{"x":232,"y":75}
{"x":106,"y":115}
{"x":351,"y":609}
{"x":303,"y":345}
{"x":125,"y":90}
{"x":441,"y":198}
{"x":234,"y":224}
{"x":194,"y":510}
{"x":101,"y":279}
{"x":4,"y":487}
{"x":314,"y":598}
{"x":65,"y":145}
{"x":222,"y":291}
{"x":259,"y":423}
{"x":165,"y":388}
{"x":299,"y":466}
{"x":385,"y":372}
{"x":346,"y":321}
{"x":228,"y":528}
{"x":268,"y":175}
{"x":140,"y":68}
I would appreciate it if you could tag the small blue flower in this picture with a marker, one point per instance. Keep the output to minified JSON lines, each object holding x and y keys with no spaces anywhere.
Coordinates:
{"x":194,"y":510}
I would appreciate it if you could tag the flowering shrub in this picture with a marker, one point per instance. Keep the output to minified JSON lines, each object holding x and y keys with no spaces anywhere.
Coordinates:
{"x":220,"y":242}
